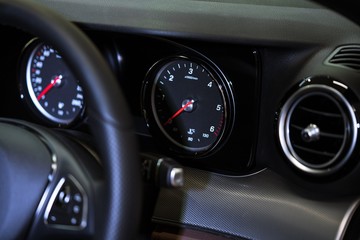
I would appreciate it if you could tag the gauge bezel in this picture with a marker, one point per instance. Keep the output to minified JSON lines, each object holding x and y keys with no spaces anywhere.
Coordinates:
{"x":163,"y":139}
{"x":28,"y":95}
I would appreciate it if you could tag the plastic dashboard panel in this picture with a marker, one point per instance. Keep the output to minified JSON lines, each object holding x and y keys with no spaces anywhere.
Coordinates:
{"x":258,"y":206}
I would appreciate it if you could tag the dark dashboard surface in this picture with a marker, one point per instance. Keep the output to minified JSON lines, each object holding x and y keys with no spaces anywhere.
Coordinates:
{"x":264,"y":57}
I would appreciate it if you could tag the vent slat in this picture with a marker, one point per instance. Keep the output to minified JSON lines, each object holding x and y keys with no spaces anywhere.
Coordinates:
{"x":309,"y":150}
{"x":345,"y":60}
{"x":323,"y":113}
{"x":349,"y":50}
{"x":346,"y":56}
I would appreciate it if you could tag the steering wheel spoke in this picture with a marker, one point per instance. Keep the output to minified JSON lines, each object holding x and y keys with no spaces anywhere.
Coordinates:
{"x":69,"y":190}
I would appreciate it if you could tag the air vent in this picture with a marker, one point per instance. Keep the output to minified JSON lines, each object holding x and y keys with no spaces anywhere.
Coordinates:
{"x":318,"y":129}
{"x":346,"y":56}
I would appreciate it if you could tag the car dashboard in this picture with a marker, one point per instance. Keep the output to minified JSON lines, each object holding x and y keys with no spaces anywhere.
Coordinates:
{"x":257,"y":101}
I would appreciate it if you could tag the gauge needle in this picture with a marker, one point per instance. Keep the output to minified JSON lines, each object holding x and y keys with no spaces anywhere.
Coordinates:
{"x":178,"y":112}
{"x":48,"y":87}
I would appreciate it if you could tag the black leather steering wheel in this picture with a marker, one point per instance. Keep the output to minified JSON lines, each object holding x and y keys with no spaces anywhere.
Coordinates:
{"x":41,"y":168}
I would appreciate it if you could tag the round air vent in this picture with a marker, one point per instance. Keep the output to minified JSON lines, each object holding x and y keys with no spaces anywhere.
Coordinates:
{"x":318,"y":127}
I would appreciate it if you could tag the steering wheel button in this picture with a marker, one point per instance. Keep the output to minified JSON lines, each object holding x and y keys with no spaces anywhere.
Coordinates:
{"x":78,"y":197}
{"x":73,"y":221}
{"x":64,"y":197}
{"x":67,"y":206}
{"x":76,"y":209}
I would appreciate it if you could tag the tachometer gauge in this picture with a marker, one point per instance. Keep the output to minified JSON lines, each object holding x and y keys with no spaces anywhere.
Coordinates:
{"x":49,"y":85}
{"x":188,"y":104}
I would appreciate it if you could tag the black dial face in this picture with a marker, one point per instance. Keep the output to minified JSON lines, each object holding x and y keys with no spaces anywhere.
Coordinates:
{"x":189,"y":105}
{"x":51,"y":87}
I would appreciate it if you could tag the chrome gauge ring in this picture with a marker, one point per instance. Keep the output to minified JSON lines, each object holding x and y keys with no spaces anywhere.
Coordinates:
{"x":48,"y":85}
{"x":187,"y":103}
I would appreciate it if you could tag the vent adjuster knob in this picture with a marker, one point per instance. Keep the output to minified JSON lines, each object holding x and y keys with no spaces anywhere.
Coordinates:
{"x":310,"y":133}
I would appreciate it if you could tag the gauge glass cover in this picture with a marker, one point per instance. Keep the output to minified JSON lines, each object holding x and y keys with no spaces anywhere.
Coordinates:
{"x":189,"y":105}
{"x":51,"y":86}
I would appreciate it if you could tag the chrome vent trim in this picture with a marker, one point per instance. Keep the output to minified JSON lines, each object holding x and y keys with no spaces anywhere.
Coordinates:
{"x":346,"y":56}
{"x":317,"y":129}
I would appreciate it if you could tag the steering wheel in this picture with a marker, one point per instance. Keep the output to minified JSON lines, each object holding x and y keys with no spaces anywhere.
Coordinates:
{"x":51,"y":185}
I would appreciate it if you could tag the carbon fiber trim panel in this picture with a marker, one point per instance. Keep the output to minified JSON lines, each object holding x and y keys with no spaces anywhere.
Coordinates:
{"x":261,"y":206}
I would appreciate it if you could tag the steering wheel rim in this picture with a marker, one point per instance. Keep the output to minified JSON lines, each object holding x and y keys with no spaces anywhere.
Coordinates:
{"x":108,"y":114}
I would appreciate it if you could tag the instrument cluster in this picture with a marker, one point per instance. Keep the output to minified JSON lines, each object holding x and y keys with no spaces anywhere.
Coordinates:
{"x":190,"y":100}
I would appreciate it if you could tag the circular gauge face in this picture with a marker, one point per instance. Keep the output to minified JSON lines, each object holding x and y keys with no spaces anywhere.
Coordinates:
{"x":51,"y":87}
{"x":189,"y":103}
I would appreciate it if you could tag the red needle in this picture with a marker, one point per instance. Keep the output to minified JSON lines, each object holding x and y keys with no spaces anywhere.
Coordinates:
{"x":178,"y":112}
{"x":48,"y":87}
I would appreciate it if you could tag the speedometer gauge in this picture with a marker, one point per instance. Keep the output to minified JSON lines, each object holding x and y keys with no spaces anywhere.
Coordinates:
{"x":49,"y":86}
{"x":188,"y":105}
